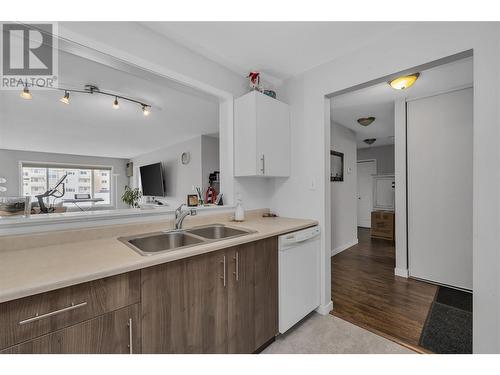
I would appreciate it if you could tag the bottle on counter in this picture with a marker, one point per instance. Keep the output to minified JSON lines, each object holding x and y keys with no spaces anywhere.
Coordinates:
{"x":239,"y":213}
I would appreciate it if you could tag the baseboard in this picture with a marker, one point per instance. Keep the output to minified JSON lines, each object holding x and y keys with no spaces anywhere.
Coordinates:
{"x":343,"y":247}
{"x":401,"y":272}
{"x":325,"y":309}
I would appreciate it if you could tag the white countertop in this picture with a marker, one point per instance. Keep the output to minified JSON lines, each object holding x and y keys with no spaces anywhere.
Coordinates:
{"x":34,"y":270}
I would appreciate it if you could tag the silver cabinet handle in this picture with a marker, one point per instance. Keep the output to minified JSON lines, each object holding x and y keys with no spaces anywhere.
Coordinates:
{"x":224,"y":272}
{"x":52,"y":313}
{"x":263,"y":160}
{"x":130,"y":337}
{"x":237,"y":266}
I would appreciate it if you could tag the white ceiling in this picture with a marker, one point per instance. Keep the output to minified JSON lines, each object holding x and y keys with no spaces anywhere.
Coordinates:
{"x":277,"y":49}
{"x":378,"y":100}
{"x":90,"y":126}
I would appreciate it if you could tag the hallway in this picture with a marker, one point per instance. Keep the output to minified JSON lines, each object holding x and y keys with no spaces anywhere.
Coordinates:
{"x":366,"y":292}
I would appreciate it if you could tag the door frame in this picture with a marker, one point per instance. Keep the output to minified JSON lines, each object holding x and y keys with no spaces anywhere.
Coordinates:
{"x":357,"y":171}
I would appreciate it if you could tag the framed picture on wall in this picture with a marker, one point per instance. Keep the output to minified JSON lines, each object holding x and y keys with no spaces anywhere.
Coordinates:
{"x":336,"y":166}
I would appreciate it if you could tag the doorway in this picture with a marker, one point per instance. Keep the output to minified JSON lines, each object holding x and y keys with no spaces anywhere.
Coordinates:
{"x":366,"y":170}
{"x":367,"y":288}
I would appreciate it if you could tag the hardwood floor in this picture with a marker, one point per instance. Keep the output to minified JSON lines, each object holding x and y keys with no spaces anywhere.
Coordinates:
{"x":366,"y":292}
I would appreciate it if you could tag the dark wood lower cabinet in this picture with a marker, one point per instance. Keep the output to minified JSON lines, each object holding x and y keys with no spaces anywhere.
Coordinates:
{"x":184,"y":306}
{"x":265,"y":312}
{"x":224,"y":301}
{"x":110,"y":333}
{"x":220,"y":302}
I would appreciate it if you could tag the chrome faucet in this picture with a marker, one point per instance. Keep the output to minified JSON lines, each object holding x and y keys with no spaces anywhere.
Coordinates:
{"x":180,"y":215}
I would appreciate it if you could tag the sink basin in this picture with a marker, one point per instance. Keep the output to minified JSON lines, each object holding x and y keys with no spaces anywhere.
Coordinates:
{"x":153,"y":243}
{"x":160,"y":242}
{"x":217,"y":231}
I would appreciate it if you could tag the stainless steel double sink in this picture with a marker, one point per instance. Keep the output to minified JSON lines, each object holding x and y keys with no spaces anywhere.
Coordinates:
{"x":160,"y":242}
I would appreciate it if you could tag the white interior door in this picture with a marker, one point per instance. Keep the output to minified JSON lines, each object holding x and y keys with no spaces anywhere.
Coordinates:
{"x":439,"y":131}
{"x":366,"y":169}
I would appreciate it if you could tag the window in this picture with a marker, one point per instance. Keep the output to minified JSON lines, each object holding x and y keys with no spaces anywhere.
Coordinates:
{"x":84,"y":180}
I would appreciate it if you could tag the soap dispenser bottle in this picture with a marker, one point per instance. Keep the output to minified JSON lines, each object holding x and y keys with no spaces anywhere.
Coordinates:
{"x":239,"y":213}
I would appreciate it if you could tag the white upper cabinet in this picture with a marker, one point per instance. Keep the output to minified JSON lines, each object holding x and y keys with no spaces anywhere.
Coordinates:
{"x":261,"y":136}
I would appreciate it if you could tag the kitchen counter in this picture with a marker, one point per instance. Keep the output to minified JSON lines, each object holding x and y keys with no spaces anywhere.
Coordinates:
{"x":33,"y":270}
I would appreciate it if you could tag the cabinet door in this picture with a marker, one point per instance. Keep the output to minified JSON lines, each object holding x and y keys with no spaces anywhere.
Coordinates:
{"x":117,"y":332}
{"x":253,"y":296}
{"x":266,"y":291}
{"x":241,"y":299}
{"x":273,"y":137}
{"x":184,"y":306}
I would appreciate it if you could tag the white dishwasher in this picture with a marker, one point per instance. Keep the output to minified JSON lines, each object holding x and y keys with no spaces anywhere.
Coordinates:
{"x":299,"y":275}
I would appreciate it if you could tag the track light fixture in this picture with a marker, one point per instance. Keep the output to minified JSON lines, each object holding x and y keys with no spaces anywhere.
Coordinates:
{"x":26,"y":94}
{"x":65,"y":98}
{"x":91,"y":89}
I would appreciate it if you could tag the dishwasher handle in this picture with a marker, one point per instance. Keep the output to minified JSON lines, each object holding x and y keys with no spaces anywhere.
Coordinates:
{"x":296,"y":238}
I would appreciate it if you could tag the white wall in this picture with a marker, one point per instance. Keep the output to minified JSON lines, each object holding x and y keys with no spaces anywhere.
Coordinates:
{"x":209,"y":159}
{"x":179,"y":178}
{"x":306,"y":193}
{"x":9,"y":168}
{"x":384,"y":155}
{"x":344,"y":211}
{"x":400,"y":191}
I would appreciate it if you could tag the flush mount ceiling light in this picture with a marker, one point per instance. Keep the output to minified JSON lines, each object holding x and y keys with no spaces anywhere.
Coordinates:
{"x":404,"y":82}
{"x":26,"y":94}
{"x":370,"y":141}
{"x":65,"y":98}
{"x":91,"y":89}
{"x":365,"y":121}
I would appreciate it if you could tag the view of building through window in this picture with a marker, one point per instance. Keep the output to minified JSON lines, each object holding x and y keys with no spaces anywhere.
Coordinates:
{"x":95,"y":182}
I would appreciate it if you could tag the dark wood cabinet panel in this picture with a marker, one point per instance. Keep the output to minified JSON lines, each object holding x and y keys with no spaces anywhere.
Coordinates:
{"x":64,"y":307}
{"x":253,"y":296}
{"x":265,"y":311}
{"x":107,"y":334}
{"x":241,"y":298}
{"x":184,"y":306}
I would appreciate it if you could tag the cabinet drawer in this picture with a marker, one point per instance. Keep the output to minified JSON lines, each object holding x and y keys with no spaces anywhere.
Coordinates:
{"x":37,"y":315}
{"x":117,"y":332}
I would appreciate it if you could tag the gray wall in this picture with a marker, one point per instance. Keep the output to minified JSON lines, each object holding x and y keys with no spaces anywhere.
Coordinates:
{"x":179,"y":178}
{"x":9,"y":168}
{"x":344,"y":223}
{"x":384,"y":156}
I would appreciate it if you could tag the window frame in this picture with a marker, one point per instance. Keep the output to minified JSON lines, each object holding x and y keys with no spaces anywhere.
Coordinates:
{"x":47,"y":165}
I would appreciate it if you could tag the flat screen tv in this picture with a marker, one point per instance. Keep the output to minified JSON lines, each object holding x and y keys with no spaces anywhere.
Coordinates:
{"x":152,"y":180}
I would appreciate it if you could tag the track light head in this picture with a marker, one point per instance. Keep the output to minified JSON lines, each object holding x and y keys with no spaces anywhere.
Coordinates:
{"x":65,"y":98}
{"x":115,"y":103}
{"x":145,"y":110}
{"x":26,"y":94}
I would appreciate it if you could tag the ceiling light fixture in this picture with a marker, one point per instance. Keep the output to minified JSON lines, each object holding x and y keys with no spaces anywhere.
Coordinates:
{"x":65,"y":98}
{"x":370,"y":141}
{"x":404,"y":82}
{"x":365,"y":121}
{"x":92,"y":89}
{"x":26,"y":94}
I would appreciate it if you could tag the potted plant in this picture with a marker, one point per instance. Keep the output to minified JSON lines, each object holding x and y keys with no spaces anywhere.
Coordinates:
{"x":132,"y":196}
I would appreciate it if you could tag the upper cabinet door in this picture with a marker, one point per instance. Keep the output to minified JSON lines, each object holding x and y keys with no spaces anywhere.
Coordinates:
{"x":273,"y":137}
{"x":261,"y":136}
